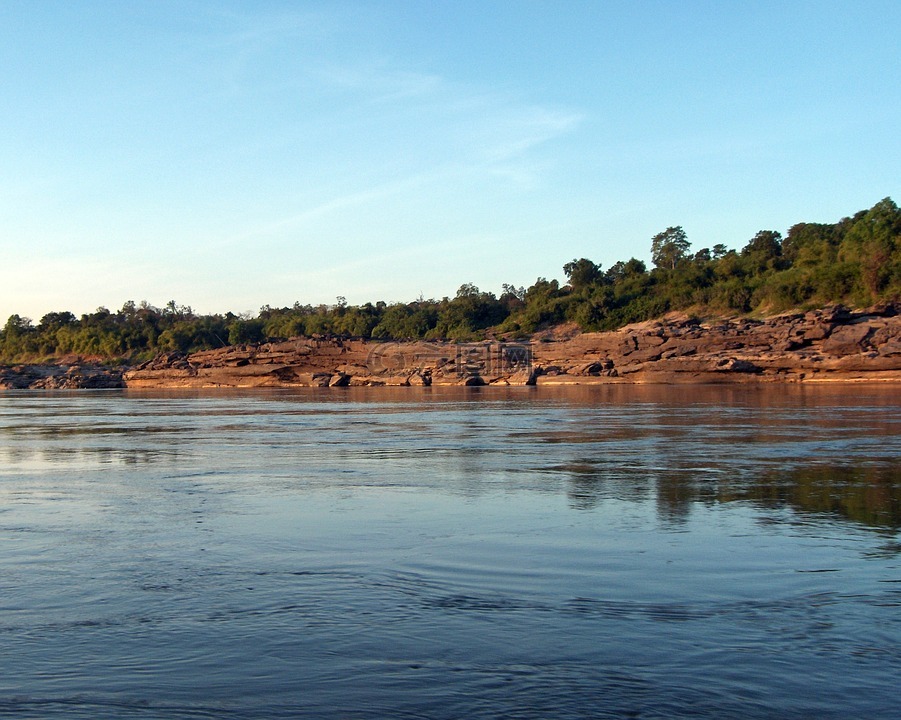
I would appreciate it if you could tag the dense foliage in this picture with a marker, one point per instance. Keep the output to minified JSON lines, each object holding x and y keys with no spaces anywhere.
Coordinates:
{"x":856,"y":261}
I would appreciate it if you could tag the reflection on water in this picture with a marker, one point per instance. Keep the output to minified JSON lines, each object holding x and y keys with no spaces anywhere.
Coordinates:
{"x":869,"y":494}
{"x":425,"y":552}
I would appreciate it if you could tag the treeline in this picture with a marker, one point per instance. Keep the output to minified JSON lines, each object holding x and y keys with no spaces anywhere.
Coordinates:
{"x":856,"y":261}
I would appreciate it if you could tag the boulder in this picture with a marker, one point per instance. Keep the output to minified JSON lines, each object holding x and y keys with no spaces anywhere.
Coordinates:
{"x":847,"y":339}
{"x":592,"y":368}
{"x":421,"y":379}
{"x":339,"y":380}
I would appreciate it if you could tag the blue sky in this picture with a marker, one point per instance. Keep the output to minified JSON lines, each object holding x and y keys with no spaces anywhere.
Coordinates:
{"x":229,"y":155}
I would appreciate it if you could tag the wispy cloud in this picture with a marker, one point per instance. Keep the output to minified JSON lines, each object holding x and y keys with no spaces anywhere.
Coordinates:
{"x":255,"y":30}
{"x":341,"y":203}
{"x":520,"y":129}
{"x":379,"y":82}
{"x":365,"y":130}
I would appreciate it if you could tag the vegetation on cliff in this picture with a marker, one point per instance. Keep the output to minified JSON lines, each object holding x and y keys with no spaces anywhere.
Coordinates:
{"x":856,"y":261}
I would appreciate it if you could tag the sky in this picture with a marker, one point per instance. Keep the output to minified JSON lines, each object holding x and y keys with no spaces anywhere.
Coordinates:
{"x":231,"y":155}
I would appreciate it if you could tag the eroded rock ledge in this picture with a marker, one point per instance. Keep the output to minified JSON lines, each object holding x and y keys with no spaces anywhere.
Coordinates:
{"x":63,"y":376}
{"x":833,"y":344}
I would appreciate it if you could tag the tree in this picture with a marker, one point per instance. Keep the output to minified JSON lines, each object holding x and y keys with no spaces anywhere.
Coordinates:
{"x":15,"y":335}
{"x":871,"y":242}
{"x":16,"y":325}
{"x":766,"y":243}
{"x":763,"y":250}
{"x":620,"y":270}
{"x":52,"y":321}
{"x":669,"y":247}
{"x":634,"y":267}
{"x":810,"y":244}
{"x":512,"y":297}
{"x":582,"y":273}
{"x":245,"y":331}
{"x":468,"y":313}
{"x":719,"y":251}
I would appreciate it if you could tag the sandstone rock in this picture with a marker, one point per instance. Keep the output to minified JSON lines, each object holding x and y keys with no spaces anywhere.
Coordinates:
{"x":833,"y":343}
{"x":836,"y":314}
{"x":60,"y":377}
{"x":645,"y":355}
{"x":421,"y":379}
{"x":739,"y":366}
{"x":685,"y":350}
{"x":629,"y":345}
{"x":892,"y":347}
{"x":890,"y":309}
{"x":643,"y":342}
{"x":847,"y":339}
{"x":354,"y":370}
{"x":592,"y":368}
{"x":523,"y":377}
{"x":816,"y":331}
{"x":395,"y":380}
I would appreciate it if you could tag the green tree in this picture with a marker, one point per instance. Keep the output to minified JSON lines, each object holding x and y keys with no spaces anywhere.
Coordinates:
{"x":810,"y":244}
{"x":582,"y":273}
{"x":763,"y":251}
{"x":51,"y":322}
{"x":245,"y":331}
{"x":469,"y":313}
{"x":15,"y":336}
{"x":719,"y":251}
{"x":874,"y":242}
{"x":669,"y":247}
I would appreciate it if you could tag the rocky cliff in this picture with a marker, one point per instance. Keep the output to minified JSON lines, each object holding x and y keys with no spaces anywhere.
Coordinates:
{"x":834,"y":344}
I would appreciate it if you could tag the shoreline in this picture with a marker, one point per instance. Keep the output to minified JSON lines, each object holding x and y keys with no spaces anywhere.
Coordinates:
{"x":831,"y":345}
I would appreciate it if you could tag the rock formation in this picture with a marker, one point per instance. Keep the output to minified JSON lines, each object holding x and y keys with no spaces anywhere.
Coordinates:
{"x":59,"y":377}
{"x":821,"y":345}
{"x":832,"y":344}
{"x":335,"y":362}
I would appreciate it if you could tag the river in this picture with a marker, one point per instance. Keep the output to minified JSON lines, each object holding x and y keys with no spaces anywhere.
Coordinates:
{"x":582,"y":552}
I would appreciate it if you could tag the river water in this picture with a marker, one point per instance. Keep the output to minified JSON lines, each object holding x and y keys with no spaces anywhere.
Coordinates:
{"x":594,"y":552}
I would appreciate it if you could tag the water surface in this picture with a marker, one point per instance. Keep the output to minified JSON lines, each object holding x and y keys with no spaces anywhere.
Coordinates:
{"x":644,"y":552}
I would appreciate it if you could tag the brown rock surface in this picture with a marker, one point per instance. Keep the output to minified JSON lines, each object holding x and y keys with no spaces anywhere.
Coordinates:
{"x":828,"y":344}
{"x":59,"y":377}
{"x":319,"y":362}
{"x":821,"y":345}
{"x":832,"y":344}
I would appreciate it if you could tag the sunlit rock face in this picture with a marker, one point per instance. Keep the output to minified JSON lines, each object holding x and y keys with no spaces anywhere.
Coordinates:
{"x":832,"y":344}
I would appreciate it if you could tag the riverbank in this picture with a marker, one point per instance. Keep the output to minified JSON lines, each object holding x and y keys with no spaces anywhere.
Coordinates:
{"x":828,"y":345}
